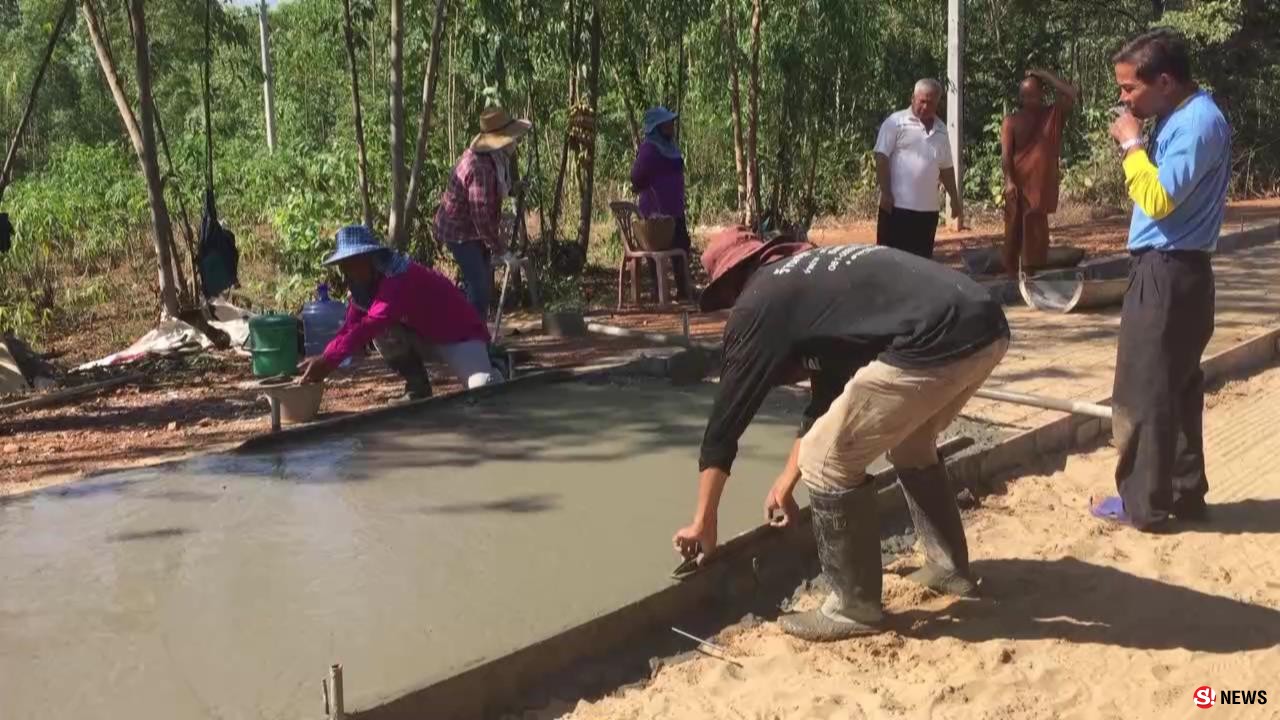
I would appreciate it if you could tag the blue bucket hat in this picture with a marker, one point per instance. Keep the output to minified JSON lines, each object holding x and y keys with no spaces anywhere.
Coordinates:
{"x":354,"y":240}
{"x":655,"y":116}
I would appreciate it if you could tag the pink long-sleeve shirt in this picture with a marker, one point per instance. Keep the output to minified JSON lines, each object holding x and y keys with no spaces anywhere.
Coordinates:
{"x":421,"y":298}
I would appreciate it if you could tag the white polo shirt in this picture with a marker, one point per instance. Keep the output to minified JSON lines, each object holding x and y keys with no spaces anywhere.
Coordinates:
{"x":916,"y":157}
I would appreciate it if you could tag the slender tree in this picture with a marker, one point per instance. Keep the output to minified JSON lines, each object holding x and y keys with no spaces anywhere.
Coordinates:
{"x":588,"y":158}
{"x":142,"y":135}
{"x":735,"y":102}
{"x":6,"y":172}
{"x":398,"y":170}
{"x":362,"y":153}
{"x":753,"y":117}
{"x":424,"y":127}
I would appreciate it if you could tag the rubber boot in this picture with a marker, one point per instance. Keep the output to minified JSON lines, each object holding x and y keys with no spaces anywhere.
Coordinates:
{"x":937,"y":519}
{"x":847,"y":529}
{"x":417,"y":384}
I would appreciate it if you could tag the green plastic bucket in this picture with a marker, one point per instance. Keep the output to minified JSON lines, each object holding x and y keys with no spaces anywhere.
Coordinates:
{"x":273,"y":341}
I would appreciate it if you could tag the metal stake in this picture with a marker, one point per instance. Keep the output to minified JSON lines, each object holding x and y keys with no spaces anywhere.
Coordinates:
{"x":723,"y":651}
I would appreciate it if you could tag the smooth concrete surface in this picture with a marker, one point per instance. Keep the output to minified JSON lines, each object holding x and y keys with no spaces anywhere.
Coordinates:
{"x":225,"y":586}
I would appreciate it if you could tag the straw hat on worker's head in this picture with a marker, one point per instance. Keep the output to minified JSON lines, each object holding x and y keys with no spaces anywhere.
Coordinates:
{"x":498,"y":130}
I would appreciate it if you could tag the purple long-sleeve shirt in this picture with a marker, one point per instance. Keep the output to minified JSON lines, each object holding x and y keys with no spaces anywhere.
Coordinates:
{"x":659,"y":182}
{"x":426,"y":301}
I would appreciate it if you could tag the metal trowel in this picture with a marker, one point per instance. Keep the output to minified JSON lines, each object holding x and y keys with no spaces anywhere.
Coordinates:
{"x":689,"y":566}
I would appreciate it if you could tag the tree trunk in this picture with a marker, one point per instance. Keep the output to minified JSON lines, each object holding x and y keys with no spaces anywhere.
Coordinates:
{"x":12,"y":154}
{"x":753,"y":117}
{"x":735,"y":103}
{"x":589,"y":158}
{"x":362,"y":154}
{"x":680,"y":72}
{"x":187,"y":294}
{"x":811,"y":186}
{"x":632,"y":122}
{"x":108,"y":64}
{"x":161,"y":228}
{"x":424,"y":127}
{"x":536,"y":167}
{"x":453,"y":36}
{"x":396,"y":100}
{"x":574,"y":56}
{"x":553,"y":224}
{"x":268,"y":76}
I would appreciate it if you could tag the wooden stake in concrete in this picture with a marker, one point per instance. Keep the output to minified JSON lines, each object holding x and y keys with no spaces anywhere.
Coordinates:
{"x":334,"y":709}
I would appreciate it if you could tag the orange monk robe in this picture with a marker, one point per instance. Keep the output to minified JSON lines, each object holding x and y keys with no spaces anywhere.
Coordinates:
{"x":1037,"y":148}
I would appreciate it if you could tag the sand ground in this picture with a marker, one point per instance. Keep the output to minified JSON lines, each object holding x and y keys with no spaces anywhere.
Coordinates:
{"x":1079,"y":619}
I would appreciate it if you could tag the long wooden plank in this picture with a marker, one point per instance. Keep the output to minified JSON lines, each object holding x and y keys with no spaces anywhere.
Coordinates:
{"x":75,"y":393}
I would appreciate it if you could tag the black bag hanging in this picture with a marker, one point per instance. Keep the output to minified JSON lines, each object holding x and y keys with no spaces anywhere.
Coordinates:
{"x":218,"y":259}
{"x":6,"y":233}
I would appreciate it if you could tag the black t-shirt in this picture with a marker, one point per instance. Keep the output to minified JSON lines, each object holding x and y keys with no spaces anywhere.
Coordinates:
{"x":831,"y":311}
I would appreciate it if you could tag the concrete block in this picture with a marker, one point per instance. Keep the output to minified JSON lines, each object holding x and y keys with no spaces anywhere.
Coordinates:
{"x":1088,"y":431}
{"x":564,"y":324}
{"x":1010,"y":454}
{"x":1054,"y":437}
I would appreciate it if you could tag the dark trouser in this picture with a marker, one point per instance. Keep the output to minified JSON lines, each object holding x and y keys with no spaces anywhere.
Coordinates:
{"x":477,"y":277}
{"x":908,"y":230}
{"x":679,"y":241}
{"x":1158,"y":397}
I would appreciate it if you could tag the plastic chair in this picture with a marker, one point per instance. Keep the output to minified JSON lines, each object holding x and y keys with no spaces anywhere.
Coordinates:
{"x":624,"y":213}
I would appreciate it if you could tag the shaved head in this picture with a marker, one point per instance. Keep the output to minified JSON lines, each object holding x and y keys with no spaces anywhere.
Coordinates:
{"x":1031,"y":93}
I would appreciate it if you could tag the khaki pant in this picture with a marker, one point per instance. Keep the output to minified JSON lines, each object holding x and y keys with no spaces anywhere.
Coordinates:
{"x":895,"y":410}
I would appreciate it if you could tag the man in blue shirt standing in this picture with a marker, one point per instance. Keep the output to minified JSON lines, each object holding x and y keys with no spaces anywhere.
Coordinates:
{"x":1178,"y":182}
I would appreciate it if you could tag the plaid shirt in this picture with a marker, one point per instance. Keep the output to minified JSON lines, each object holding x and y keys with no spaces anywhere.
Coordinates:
{"x":471,"y":206}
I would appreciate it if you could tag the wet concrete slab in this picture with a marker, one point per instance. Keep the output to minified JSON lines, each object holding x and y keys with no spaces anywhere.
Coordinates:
{"x":408,"y":551}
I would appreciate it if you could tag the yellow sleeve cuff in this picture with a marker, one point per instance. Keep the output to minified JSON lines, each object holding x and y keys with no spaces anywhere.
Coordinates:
{"x":1143,"y":181}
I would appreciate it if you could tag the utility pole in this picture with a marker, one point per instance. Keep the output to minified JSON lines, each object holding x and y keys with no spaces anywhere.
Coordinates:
{"x":268,"y":76}
{"x":955,"y":87}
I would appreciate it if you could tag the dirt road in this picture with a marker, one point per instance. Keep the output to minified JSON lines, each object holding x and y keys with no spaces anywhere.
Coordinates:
{"x":1080,"y":619}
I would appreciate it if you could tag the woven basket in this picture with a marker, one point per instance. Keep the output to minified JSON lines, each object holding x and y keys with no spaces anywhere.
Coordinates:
{"x":655,"y":234}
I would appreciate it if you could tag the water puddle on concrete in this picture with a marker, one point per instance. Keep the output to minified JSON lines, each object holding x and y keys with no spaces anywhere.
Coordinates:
{"x":408,"y":550}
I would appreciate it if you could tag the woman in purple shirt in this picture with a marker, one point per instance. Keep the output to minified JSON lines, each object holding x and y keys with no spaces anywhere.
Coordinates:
{"x":658,"y":179}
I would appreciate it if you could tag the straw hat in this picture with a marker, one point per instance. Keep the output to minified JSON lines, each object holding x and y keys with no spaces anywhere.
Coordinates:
{"x":729,"y":258}
{"x":498,"y":130}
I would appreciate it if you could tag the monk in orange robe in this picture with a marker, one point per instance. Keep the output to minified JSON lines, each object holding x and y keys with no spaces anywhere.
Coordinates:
{"x":1030,"y":146}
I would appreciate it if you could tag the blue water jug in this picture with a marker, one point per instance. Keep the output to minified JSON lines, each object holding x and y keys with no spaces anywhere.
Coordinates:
{"x":321,"y":321}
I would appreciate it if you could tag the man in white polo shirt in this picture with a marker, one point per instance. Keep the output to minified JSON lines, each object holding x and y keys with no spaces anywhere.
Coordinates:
{"x":913,"y":155}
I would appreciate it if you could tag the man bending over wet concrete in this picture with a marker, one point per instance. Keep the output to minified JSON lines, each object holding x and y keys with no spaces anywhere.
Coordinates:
{"x":409,"y":312}
{"x":894,"y":345}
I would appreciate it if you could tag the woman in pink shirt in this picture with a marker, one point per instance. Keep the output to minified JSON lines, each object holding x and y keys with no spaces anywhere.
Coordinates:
{"x":408,"y":311}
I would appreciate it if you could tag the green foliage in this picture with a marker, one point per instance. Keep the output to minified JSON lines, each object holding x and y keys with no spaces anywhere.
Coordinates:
{"x":831,"y":70}
{"x":1096,"y":179}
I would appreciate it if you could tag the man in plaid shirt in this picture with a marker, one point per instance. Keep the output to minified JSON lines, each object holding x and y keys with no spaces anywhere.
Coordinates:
{"x":469,"y":215}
